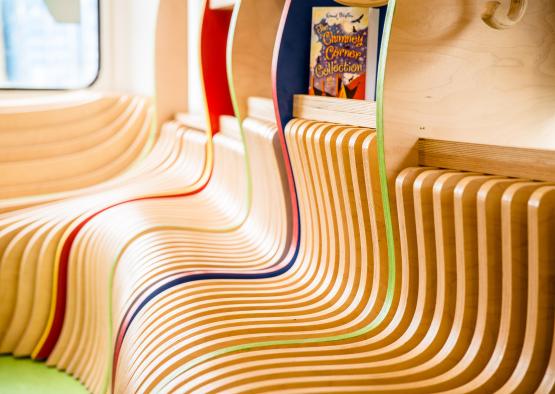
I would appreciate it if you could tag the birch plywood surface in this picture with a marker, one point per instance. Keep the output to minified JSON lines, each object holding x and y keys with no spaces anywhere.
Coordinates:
{"x":171,"y":59}
{"x":451,"y":77}
{"x":250,"y":50}
{"x":468,"y":331}
{"x":38,"y":242}
{"x":290,"y":308}
{"x":56,"y":150}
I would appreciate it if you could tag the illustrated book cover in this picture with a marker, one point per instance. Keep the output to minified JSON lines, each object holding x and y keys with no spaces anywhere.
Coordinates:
{"x":344,"y":52}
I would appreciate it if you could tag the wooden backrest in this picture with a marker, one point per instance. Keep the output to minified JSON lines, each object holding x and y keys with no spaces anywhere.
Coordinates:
{"x":450,"y":76}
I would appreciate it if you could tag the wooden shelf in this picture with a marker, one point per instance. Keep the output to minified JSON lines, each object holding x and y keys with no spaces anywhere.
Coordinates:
{"x":222,"y":4}
{"x":359,"y":113}
{"x":489,"y":159}
{"x":427,"y":96}
{"x":262,"y":108}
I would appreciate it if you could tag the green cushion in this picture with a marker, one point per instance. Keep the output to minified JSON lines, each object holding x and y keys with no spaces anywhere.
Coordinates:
{"x":23,"y":376}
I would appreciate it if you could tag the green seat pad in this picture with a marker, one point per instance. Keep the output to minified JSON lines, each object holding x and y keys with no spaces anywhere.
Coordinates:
{"x":23,"y":376}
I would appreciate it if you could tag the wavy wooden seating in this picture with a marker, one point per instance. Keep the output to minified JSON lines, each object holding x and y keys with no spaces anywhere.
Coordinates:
{"x":245,"y":245}
{"x":78,"y":354}
{"x":222,"y":207}
{"x":223,"y":292}
{"x":146,"y":363}
{"x":70,"y":145}
{"x":216,"y":29}
{"x":451,"y":340}
{"x":29,"y":238}
{"x":466,"y":334}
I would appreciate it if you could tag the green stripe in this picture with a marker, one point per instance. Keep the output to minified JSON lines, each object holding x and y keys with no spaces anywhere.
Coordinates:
{"x":389,"y":234}
{"x":229,"y":69}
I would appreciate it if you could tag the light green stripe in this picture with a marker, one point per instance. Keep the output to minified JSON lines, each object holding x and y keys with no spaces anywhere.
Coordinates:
{"x":233,"y":93}
{"x":384,"y":51}
{"x":229,"y":70}
{"x":389,"y":234}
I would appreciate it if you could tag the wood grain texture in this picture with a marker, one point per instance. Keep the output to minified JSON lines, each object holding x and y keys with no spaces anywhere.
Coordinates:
{"x":454,"y":78}
{"x":502,"y":160}
{"x":86,"y":312}
{"x":335,"y":110}
{"x":330,"y":151}
{"x":252,"y":244}
{"x":213,"y":41}
{"x":250,"y":50}
{"x":467,"y":332}
{"x":211,"y":293}
{"x":30,"y":237}
{"x":172,"y":60}
{"x":494,"y":17}
{"x":53,"y":153}
{"x":65,"y":228}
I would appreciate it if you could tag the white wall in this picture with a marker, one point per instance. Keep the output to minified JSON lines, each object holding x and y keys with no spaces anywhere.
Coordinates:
{"x":195,"y":105}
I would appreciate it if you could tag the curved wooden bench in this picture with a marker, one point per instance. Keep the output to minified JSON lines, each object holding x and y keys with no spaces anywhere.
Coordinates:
{"x":439,"y":350}
{"x":136,"y":219}
{"x":454,"y":341}
{"x":466,"y":332}
{"x":214,"y":27}
{"x":228,"y":170}
{"x":76,"y":153}
{"x":461,"y":301}
{"x":271,"y":239}
{"x":185,"y":341}
{"x":29,"y":238}
{"x":161,"y":249}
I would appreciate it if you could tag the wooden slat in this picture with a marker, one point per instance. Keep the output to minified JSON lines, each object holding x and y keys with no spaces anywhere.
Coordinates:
{"x":499,"y":160}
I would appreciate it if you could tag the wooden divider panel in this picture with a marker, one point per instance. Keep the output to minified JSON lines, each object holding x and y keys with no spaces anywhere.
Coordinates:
{"x":451,"y":77}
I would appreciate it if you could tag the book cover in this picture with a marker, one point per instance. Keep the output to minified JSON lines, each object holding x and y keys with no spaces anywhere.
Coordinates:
{"x":343,"y":56}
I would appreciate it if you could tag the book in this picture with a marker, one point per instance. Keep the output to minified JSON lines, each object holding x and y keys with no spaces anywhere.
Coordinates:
{"x":344,"y":52}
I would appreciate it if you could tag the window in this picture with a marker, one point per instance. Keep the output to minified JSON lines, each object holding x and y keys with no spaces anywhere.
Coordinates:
{"x":49,"y":44}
